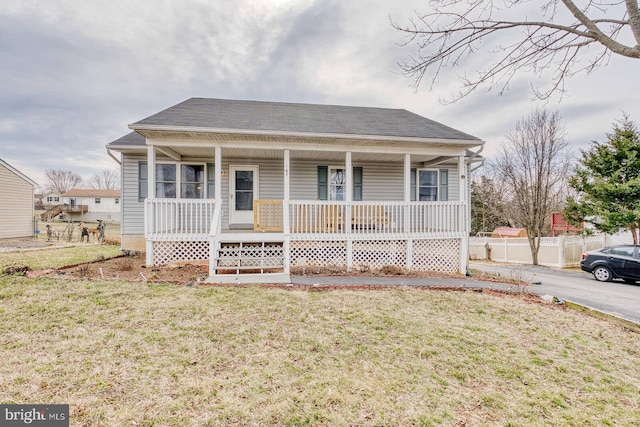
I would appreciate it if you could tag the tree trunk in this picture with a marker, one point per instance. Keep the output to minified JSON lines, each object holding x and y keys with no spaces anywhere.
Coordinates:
{"x":534,"y":245}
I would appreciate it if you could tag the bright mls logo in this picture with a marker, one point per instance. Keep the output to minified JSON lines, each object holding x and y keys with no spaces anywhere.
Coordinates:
{"x":34,"y":415}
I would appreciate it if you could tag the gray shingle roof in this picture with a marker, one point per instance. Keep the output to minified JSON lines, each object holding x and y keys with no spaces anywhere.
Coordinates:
{"x":207,"y":113}
{"x":132,"y":138}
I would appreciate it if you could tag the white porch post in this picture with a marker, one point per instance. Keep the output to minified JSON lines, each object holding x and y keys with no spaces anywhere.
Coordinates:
{"x":218,"y":172}
{"x":285,"y":210}
{"x":151,"y":194}
{"x":214,"y":240}
{"x":347,"y":215}
{"x":464,"y":233}
{"x":407,"y":198}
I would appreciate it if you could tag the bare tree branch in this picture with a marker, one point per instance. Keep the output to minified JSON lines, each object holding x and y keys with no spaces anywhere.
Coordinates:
{"x":533,"y":167}
{"x":457,"y":29}
{"x":106,"y":179}
{"x":61,"y":181}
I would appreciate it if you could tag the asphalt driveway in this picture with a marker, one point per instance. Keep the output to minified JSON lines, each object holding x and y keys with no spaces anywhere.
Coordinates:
{"x":615,"y":298}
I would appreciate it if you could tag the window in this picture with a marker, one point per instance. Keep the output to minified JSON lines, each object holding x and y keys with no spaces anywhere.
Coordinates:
{"x":244,"y":181}
{"x":623,"y":250}
{"x":332,"y":182}
{"x":143,"y":186}
{"x":97,"y":201}
{"x":166,"y":181}
{"x":190,"y":184}
{"x":192,"y":181}
{"x":117,"y":201}
{"x":53,"y":199}
{"x":429,"y":184}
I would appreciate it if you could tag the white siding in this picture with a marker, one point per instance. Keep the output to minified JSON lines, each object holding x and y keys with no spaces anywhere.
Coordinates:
{"x":383,"y":181}
{"x":132,"y":209}
{"x":16,"y":214}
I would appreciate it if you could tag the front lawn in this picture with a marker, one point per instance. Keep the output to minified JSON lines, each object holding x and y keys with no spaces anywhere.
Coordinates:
{"x":166,"y":355}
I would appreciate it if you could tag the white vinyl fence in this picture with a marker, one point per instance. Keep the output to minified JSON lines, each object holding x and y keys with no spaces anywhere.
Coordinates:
{"x":562,"y":251}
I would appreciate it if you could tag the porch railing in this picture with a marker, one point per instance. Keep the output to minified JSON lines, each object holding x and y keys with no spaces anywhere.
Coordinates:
{"x":191,"y":219}
{"x":331,"y":218}
{"x":178,"y":219}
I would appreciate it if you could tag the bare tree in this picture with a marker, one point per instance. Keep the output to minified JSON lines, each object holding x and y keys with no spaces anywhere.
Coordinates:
{"x":107,"y":179}
{"x":553,"y":39}
{"x":533,"y":165}
{"x":62,"y":181}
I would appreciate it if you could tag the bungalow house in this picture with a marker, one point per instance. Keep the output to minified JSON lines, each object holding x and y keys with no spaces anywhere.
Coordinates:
{"x":259,"y":187}
{"x":16,"y":193}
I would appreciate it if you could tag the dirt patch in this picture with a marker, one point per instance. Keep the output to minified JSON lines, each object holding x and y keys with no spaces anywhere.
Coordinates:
{"x":132,"y":268}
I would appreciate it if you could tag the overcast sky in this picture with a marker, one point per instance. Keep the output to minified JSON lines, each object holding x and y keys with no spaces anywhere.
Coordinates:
{"x":75,"y":73}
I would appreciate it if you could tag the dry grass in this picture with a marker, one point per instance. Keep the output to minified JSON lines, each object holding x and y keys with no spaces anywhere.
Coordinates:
{"x":165,"y":355}
{"x":57,"y":256}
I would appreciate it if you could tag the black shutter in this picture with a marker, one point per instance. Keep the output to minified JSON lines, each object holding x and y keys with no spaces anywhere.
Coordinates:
{"x":323,"y":172}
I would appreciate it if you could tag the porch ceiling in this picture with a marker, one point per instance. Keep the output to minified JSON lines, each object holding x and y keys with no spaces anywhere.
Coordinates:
{"x":254,"y":153}
{"x":270,"y":147}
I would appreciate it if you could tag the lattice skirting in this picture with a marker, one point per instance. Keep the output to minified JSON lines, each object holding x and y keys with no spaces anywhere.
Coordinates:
{"x":441,"y":255}
{"x":168,"y":252}
{"x":427,"y":255}
{"x":437,"y":255}
{"x":320,"y":253}
{"x":376,"y":254}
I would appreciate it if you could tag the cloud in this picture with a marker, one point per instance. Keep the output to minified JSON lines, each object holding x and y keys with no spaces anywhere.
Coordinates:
{"x":76,"y":73}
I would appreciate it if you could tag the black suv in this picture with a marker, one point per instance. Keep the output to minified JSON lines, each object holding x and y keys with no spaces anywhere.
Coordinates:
{"x":613,"y":262}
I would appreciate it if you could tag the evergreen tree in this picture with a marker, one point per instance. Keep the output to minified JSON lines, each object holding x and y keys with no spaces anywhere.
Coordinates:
{"x":488,"y":209}
{"x":607,"y":182}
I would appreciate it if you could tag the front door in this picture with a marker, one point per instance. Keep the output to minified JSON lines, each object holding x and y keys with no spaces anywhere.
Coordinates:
{"x":243,"y":190}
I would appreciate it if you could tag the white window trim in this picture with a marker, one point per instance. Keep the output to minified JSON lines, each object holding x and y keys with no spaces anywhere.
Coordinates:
{"x":178,"y":181}
{"x":437,"y":185}
{"x":179,"y":178}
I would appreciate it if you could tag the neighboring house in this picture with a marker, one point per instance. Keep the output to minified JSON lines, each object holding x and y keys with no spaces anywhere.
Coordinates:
{"x":16,"y":193}
{"x":52,"y":198}
{"x":91,"y":205}
{"x":260,"y":187}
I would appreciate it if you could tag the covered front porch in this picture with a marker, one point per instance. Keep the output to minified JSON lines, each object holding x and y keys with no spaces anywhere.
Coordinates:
{"x":413,"y":235}
{"x":323,"y":202}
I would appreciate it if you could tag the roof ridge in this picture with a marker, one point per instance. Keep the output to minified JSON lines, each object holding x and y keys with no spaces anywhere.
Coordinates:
{"x":257,"y":101}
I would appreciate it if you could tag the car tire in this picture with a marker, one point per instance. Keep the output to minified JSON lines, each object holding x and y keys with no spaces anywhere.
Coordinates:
{"x":602,"y":274}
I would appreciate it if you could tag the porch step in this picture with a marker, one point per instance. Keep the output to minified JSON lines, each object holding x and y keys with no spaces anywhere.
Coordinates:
{"x":249,"y":258}
{"x":242,"y":279}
